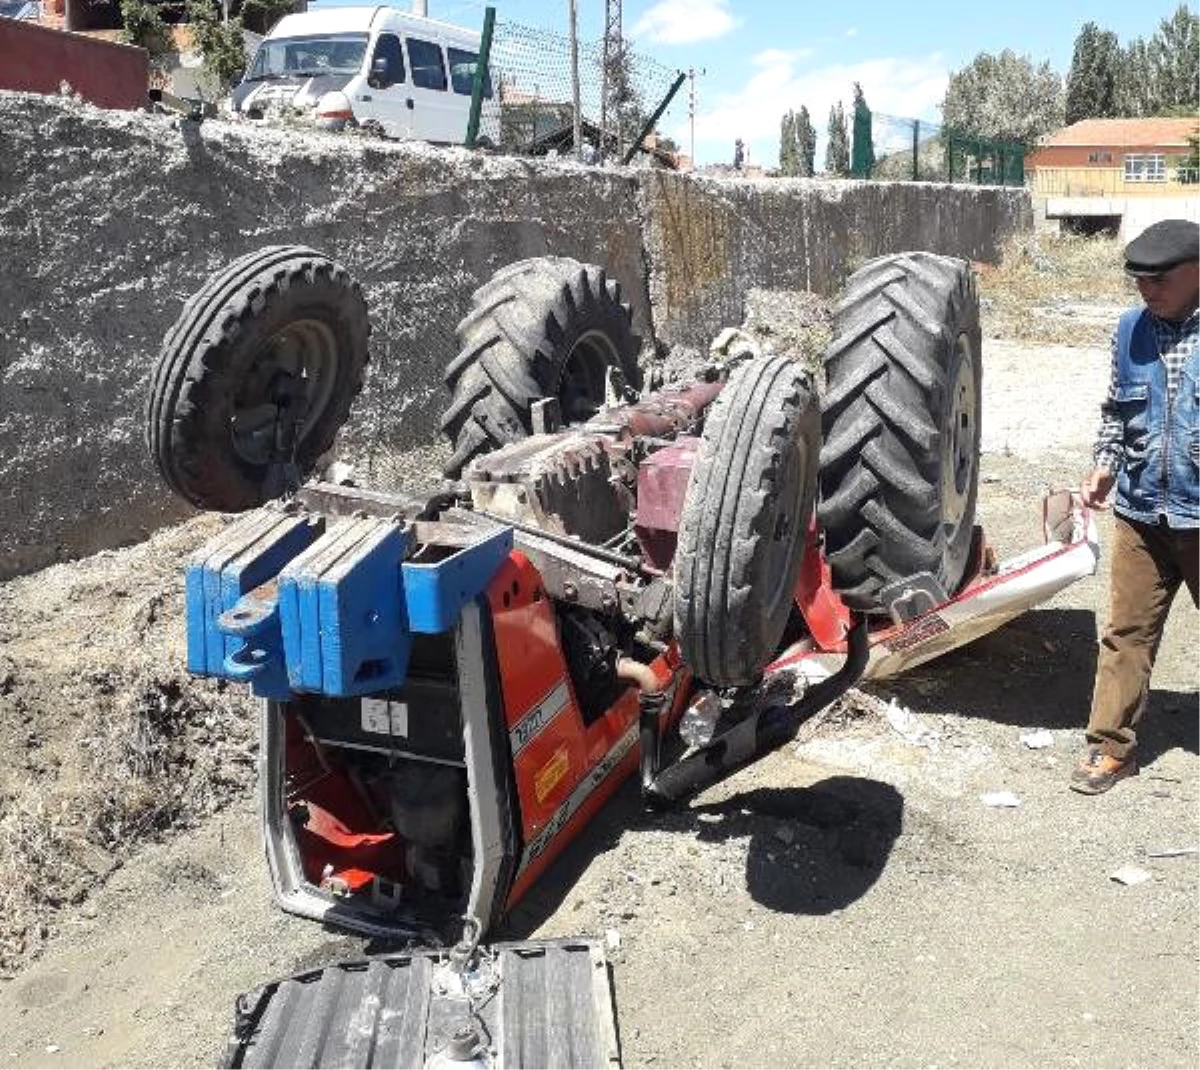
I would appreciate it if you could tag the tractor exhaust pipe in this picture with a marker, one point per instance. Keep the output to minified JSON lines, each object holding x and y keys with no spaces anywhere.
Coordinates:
{"x":746,"y":742}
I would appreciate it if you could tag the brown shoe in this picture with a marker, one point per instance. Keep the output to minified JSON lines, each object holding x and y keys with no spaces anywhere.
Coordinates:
{"x":1097,"y":771}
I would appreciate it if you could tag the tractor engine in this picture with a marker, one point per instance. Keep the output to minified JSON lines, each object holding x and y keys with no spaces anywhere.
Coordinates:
{"x":591,"y":482}
{"x":579,"y":483}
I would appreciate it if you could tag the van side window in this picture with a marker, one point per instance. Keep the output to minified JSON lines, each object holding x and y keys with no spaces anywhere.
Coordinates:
{"x":462,"y":72}
{"x":428,"y":69}
{"x":387,"y":50}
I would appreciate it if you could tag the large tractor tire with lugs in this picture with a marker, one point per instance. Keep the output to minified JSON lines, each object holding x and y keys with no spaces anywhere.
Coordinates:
{"x":256,"y":377}
{"x":548,"y":327}
{"x":745,"y":518}
{"x":900,"y":421}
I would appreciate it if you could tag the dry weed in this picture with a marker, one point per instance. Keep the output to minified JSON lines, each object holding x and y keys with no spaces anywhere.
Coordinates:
{"x":1055,"y":289}
{"x":154,"y":752}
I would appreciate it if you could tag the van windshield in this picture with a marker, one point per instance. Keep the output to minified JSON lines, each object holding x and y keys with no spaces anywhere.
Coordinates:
{"x":309,"y":57}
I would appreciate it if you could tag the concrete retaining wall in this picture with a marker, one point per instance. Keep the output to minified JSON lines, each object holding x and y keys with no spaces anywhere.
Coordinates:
{"x":111,"y":220}
{"x":709,"y":241}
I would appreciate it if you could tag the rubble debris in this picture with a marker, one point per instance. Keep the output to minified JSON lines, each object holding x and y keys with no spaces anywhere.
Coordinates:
{"x":1173,"y":852}
{"x":909,"y":726}
{"x":1038,"y":739}
{"x":1131,"y":875}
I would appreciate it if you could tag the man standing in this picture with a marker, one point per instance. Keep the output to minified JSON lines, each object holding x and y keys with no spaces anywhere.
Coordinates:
{"x":1147,"y":448}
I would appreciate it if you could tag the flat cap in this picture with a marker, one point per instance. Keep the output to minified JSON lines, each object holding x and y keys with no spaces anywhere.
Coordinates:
{"x":1160,"y":247}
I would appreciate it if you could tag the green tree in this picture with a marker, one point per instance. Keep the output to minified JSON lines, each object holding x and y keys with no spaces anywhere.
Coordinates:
{"x":625,"y":114}
{"x":806,"y":143}
{"x":837,"y":151}
{"x":259,"y":16}
{"x":1136,"y":91}
{"x":862,"y":155}
{"x":789,"y":152}
{"x":221,"y":45}
{"x":1005,"y":97}
{"x":1092,"y":79}
{"x":143,"y":25}
{"x":1173,"y":55}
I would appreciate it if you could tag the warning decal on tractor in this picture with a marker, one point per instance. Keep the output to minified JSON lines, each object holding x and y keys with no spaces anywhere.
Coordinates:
{"x":550,"y":774}
{"x":917,"y":632}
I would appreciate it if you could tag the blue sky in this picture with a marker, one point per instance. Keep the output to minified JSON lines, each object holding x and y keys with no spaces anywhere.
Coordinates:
{"x":762,"y":57}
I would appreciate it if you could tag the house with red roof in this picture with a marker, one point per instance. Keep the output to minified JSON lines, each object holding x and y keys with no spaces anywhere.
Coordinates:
{"x":1116,"y":158}
{"x":1116,"y":175}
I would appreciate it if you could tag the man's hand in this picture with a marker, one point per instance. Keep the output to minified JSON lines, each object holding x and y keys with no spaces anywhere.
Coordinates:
{"x":1095,"y":488}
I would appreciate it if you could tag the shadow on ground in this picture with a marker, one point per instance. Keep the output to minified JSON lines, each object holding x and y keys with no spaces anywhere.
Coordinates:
{"x":812,"y":850}
{"x":820,"y":847}
{"x":1170,"y":721}
{"x":1035,"y":672}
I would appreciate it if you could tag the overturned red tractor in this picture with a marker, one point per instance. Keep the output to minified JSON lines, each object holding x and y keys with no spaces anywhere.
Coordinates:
{"x":457,"y":678}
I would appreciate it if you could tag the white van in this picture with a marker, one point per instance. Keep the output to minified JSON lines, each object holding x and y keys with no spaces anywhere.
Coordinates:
{"x":397,"y":74}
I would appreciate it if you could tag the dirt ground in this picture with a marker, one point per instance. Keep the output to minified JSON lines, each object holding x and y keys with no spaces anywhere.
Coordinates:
{"x":849,"y":901}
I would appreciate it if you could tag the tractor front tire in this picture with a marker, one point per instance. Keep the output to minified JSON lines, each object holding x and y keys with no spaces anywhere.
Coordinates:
{"x":745,"y":518}
{"x":900,"y":420}
{"x":256,"y":377}
{"x":547,"y":327}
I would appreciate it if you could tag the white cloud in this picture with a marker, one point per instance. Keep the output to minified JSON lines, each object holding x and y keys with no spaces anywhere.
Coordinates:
{"x":852,"y":32}
{"x":781,"y":81}
{"x":683,"y":22}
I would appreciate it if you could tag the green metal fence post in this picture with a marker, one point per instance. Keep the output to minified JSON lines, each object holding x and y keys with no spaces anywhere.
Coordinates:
{"x":650,"y":123}
{"x":481,"y":76}
{"x":916,"y":149}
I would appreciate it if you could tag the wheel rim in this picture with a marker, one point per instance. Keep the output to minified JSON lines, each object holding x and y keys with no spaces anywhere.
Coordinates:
{"x":582,"y":386}
{"x":285,"y":393}
{"x":958,"y":444}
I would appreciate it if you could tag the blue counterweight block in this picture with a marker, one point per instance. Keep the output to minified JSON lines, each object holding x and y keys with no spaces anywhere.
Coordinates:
{"x":436,"y":593}
{"x":244,"y":556}
{"x":259,"y":660}
{"x":345,"y":628}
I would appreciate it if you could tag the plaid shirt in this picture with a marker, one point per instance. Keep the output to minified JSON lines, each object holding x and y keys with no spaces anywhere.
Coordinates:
{"x":1176,"y":341}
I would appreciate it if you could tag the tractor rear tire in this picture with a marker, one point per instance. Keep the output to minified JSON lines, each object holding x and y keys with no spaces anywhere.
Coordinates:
{"x":547,"y":327}
{"x":281,"y":326}
{"x":900,"y":461}
{"x":745,"y":518}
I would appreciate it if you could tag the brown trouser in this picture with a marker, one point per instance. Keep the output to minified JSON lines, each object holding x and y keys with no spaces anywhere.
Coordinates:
{"x":1149,"y":562}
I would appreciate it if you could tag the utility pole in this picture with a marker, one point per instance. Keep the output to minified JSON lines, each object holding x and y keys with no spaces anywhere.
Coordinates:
{"x":692,"y":72}
{"x":577,"y":130}
{"x":610,"y":77}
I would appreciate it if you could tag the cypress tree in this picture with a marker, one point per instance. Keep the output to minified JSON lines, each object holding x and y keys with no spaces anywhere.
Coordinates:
{"x":806,"y":143}
{"x":837,"y":151}
{"x":789,"y":156}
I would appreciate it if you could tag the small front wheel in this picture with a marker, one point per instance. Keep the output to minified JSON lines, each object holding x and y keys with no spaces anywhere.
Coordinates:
{"x":745,"y":520}
{"x":256,"y":377}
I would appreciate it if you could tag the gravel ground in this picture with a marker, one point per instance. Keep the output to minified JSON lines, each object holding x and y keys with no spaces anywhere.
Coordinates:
{"x":848,"y":901}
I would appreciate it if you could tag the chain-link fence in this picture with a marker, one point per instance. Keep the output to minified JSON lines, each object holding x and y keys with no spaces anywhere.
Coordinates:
{"x":915,"y":150}
{"x":984,"y":161}
{"x":529,"y":97}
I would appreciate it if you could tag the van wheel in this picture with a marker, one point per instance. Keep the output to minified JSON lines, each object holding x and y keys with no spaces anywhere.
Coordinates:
{"x":548,"y":327}
{"x":745,"y":519}
{"x":900,"y":461}
{"x":256,"y":377}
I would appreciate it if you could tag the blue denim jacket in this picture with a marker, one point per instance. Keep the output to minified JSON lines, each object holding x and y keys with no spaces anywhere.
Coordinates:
{"x":1160,"y":476}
